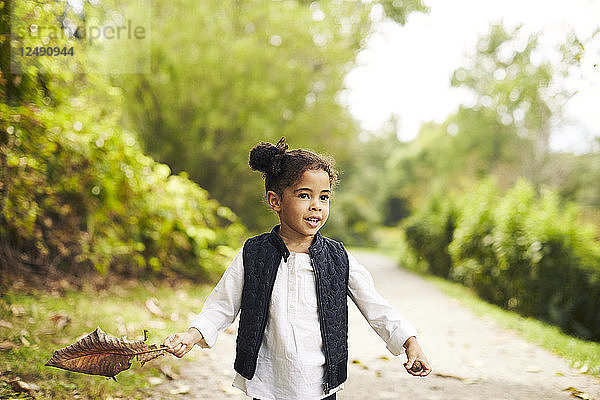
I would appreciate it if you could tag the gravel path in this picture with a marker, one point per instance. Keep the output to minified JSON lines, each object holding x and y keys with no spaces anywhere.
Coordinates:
{"x":472,"y":357}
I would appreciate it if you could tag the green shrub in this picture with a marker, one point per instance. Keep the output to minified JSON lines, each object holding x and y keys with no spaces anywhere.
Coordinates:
{"x":77,"y":191}
{"x":564,"y":282}
{"x":473,"y":259}
{"x":430,"y":231}
{"x":523,"y":251}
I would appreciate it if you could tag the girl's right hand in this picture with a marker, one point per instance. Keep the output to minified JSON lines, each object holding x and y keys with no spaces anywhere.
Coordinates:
{"x":179,"y":344}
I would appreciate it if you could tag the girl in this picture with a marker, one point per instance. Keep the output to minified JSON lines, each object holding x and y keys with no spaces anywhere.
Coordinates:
{"x":290,"y":287}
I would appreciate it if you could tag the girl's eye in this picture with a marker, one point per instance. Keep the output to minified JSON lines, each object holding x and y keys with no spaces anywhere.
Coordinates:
{"x":324,"y":197}
{"x":303,"y":195}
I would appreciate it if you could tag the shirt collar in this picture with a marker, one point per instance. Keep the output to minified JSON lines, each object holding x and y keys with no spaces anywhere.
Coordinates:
{"x":315,"y":247}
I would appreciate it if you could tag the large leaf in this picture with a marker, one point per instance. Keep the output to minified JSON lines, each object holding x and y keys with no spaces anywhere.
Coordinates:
{"x":101,"y":354}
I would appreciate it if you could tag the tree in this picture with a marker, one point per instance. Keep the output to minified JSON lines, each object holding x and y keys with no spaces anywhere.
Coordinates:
{"x":505,"y":133}
{"x":524,"y":96}
{"x":76,"y":191}
{"x":228,"y":74}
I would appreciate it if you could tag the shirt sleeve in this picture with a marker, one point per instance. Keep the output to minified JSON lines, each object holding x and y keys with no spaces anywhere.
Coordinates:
{"x":223,"y":304}
{"x":382,"y":317}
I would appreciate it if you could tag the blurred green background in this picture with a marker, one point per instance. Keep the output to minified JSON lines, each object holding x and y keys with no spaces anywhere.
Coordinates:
{"x":145,"y":174}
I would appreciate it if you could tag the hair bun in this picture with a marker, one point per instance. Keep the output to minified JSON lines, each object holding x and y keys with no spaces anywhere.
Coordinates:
{"x":266,"y":157}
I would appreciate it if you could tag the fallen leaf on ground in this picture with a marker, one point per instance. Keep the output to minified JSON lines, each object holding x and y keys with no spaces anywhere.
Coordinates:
{"x":17,"y":310}
{"x":101,"y":354}
{"x":533,"y":369}
{"x":181,"y":389}
{"x":467,"y":381}
{"x":227,"y":388}
{"x":358,"y":362}
{"x":153,"y":307}
{"x":6,"y":324}
{"x":23,"y":387}
{"x":7,"y":345}
{"x":25,"y":341}
{"x":578,"y":394}
{"x":167,"y":371}
{"x":155,"y":380}
{"x":584,"y":369}
{"x":60,"y":320}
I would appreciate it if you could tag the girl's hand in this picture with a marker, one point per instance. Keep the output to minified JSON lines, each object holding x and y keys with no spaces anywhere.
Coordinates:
{"x":415,"y":355}
{"x":179,"y":344}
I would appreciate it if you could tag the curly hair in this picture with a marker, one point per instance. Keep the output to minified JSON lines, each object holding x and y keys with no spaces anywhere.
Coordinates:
{"x":282,"y":167}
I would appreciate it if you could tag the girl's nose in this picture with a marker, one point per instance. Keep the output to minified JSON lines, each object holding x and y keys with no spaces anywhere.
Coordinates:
{"x":315,"y":206}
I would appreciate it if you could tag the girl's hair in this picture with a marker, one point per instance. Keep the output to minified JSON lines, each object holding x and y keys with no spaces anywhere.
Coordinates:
{"x":282,"y":167}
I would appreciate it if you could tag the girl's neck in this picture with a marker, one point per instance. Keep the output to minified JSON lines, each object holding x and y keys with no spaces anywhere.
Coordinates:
{"x":295,"y":243}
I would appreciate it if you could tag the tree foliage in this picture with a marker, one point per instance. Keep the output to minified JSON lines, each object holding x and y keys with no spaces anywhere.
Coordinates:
{"x":78,"y":191}
{"x":228,"y":74}
{"x":518,"y":102}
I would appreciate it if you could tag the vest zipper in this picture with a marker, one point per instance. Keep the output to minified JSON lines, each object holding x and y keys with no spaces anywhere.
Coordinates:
{"x":326,"y":388}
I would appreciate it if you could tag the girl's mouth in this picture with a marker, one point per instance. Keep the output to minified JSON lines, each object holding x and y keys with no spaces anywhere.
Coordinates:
{"x":313,"y":222}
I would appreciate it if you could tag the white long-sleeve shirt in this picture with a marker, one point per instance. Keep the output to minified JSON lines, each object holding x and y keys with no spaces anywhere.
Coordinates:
{"x":291,"y":362}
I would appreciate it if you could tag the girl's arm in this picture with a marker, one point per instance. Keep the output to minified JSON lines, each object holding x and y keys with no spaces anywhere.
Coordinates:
{"x":219,"y":311}
{"x":395,"y":330}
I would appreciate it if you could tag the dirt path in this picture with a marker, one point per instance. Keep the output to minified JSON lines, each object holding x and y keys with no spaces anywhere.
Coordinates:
{"x":472,"y":357}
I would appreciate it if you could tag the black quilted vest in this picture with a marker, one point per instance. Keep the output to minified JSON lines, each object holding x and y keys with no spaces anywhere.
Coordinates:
{"x":262,"y":256}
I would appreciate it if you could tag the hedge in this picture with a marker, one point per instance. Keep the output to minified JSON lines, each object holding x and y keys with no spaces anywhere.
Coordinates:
{"x":524,"y":251}
{"x":77,"y":192}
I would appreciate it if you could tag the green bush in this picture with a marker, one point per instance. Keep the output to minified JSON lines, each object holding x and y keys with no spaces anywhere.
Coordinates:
{"x":523,"y":251}
{"x":473,"y":256}
{"x":77,"y":191}
{"x":430,"y":231}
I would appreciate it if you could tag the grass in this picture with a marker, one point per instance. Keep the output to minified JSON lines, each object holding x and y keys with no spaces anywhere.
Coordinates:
{"x":584,"y":355}
{"x":38,"y":323}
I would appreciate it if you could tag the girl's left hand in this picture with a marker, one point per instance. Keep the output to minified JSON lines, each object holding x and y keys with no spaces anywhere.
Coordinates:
{"x":415,"y":354}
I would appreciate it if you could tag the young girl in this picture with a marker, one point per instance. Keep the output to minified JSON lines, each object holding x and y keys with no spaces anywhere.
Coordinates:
{"x":290,"y":287}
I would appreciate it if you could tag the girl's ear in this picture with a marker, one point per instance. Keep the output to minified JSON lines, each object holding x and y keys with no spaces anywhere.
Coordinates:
{"x":274,"y":201}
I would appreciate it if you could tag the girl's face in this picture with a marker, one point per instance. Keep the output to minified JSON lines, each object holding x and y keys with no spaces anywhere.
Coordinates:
{"x":304,"y":206}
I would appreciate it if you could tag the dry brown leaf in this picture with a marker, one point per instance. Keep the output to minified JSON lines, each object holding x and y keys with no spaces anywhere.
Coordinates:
{"x":167,"y":371}
{"x":155,"y":380}
{"x":6,"y":324}
{"x":153,"y":307}
{"x":180,"y":389}
{"x":465,"y":380}
{"x":24,"y":387}
{"x":60,"y":320}
{"x":25,"y":342}
{"x":101,"y":354}
{"x":451,"y":376}
{"x":577,"y":393}
{"x":7,"y":345}
{"x":17,"y":310}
